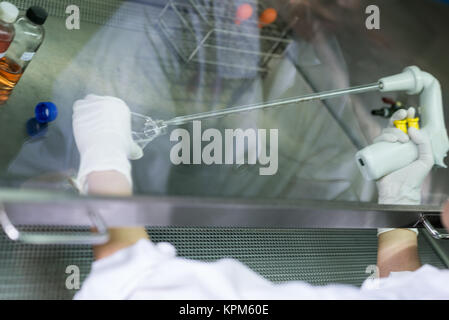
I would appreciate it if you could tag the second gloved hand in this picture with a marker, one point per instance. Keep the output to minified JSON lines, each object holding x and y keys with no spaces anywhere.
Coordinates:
{"x":403,"y":187}
{"x":102,"y":131}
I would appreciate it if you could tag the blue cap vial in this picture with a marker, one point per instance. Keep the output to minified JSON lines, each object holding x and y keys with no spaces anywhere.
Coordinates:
{"x":35,"y":128}
{"x":46,"y":112}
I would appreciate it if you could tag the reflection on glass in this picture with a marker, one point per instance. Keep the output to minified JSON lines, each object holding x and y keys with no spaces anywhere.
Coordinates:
{"x":173,"y":58}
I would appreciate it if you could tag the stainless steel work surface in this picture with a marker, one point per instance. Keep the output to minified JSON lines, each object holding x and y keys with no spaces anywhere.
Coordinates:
{"x":37,"y":207}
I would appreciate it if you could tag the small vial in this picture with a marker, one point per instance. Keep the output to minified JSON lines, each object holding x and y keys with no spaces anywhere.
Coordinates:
{"x":8,"y":15}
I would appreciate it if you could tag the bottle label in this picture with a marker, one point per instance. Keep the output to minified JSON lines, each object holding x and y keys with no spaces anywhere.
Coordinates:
{"x":27,"y":56}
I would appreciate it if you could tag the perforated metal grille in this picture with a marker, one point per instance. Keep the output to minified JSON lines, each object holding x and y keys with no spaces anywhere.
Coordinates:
{"x":38,"y":272}
{"x":98,"y":12}
{"x":316,"y":256}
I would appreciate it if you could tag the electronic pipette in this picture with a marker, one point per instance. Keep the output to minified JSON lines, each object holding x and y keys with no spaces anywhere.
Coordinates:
{"x":374,"y":161}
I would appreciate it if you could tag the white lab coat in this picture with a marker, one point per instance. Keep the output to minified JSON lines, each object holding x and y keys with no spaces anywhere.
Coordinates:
{"x":149,"y":271}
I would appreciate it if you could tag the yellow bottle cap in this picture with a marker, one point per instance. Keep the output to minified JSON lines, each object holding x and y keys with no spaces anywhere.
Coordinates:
{"x":401,"y":125}
{"x":413,"y":123}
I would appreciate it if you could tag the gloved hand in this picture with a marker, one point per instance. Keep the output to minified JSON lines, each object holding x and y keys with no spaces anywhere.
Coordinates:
{"x":404,"y":185}
{"x":102,"y":131}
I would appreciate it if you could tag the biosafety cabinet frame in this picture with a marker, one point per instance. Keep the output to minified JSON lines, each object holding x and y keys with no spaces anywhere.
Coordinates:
{"x":52,"y":209}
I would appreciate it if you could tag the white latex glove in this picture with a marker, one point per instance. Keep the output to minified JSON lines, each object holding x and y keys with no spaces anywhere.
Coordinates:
{"x":404,"y":185}
{"x":102,"y":131}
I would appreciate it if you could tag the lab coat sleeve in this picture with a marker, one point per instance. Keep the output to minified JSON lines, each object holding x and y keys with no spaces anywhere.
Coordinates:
{"x":150,"y":271}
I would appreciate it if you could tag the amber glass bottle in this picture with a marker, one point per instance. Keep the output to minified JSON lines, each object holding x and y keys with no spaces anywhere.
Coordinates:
{"x":29,"y":37}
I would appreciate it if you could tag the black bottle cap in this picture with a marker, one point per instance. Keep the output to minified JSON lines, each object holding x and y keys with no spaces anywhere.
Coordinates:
{"x":380,"y":112}
{"x":37,"y":15}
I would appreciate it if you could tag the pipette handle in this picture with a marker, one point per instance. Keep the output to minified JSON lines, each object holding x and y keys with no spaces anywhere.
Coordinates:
{"x":382,"y":158}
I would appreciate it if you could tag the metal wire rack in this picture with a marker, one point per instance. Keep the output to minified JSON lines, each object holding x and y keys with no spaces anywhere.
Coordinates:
{"x":205,"y":32}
